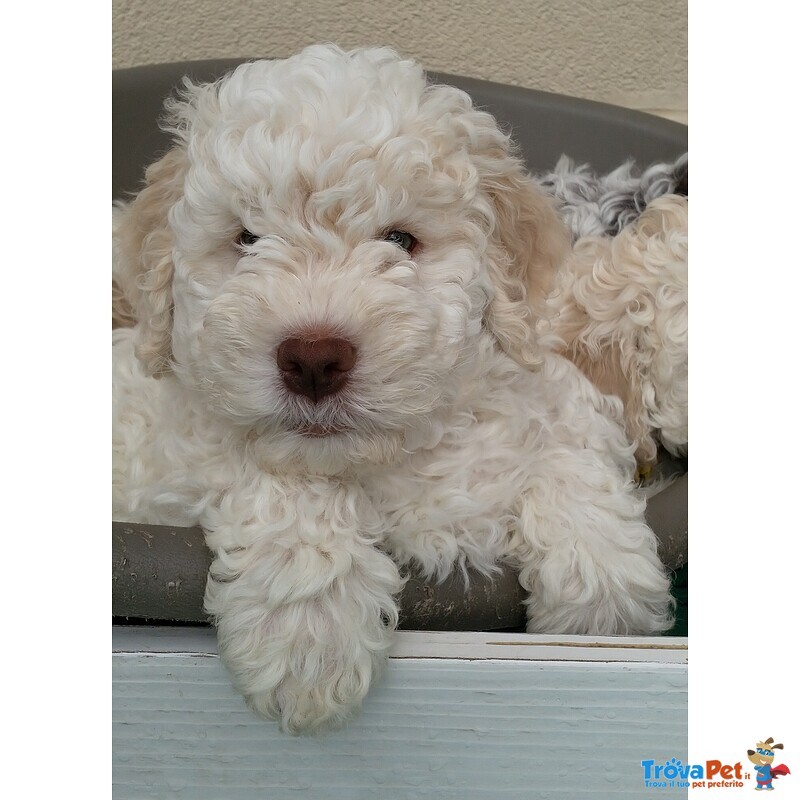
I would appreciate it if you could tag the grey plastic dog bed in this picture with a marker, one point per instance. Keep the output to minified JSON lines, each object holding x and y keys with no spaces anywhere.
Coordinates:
{"x":159,"y":573}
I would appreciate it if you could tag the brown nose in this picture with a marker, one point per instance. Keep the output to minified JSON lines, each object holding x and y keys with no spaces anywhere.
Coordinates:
{"x":315,"y":368}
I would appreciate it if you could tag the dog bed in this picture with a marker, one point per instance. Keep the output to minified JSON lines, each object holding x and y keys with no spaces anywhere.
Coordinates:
{"x":159,"y":573}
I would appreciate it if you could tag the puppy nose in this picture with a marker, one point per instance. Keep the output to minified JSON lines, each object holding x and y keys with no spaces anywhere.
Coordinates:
{"x":315,"y":368}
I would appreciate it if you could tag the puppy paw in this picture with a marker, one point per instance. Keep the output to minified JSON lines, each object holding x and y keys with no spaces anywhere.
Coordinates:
{"x":307,"y":665}
{"x":305,"y":708}
{"x":628,"y":597}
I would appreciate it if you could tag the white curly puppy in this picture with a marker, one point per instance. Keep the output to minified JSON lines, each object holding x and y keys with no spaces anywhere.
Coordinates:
{"x":621,"y":310}
{"x":330,"y":271}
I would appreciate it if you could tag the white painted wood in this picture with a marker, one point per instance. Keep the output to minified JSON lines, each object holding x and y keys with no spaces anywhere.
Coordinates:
{"x":434,"y":728}
{"x":445,"y":644}
{"x":527,"y":647}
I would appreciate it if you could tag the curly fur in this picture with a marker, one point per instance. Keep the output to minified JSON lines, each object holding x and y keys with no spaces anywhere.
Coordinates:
{"x":621,"y":311}
{"x":122,"y":313}
{"x":458,"y":440}
{"x":602,"y":205}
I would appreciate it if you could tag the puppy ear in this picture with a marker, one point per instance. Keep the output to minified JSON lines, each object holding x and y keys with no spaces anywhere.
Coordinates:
{"x":143,"y":265}
{"x":529,"y":243}
{"x":122,"y":313}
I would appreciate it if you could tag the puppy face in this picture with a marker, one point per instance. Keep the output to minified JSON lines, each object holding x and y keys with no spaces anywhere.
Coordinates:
{"x":327,"y":245}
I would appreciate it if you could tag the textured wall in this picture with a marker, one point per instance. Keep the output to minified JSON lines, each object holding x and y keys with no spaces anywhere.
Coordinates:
{"x":620,"y":52}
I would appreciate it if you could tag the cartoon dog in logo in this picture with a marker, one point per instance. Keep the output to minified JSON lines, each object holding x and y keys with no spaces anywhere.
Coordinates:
{"x":762,"y":757}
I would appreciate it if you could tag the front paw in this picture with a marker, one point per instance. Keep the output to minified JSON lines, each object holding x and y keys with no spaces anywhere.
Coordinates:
{"x":308,"y":702}
{"x":629,"y":596}
{"x":310,"y":674}
{"x":305,"y":630}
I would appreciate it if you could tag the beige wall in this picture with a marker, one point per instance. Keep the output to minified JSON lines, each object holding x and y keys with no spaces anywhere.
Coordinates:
{"x":617,"y":51}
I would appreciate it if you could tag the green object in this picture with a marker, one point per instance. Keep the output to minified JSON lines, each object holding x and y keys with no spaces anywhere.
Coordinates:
{"x":680,"y":591}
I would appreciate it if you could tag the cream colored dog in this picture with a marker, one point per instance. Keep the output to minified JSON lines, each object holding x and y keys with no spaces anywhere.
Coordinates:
{"x":621,"y":309}
{"x":336,"y":273}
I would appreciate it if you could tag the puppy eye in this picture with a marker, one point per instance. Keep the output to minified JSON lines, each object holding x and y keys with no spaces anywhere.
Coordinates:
{"x":402,"y":239}
{"x":245,"y":238}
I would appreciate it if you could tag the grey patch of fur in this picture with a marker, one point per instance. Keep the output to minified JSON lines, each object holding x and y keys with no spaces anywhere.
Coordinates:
{"x":602,"y":205}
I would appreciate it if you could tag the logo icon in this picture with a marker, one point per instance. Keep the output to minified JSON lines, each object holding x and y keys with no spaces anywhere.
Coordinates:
{"x":763,"y":757}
